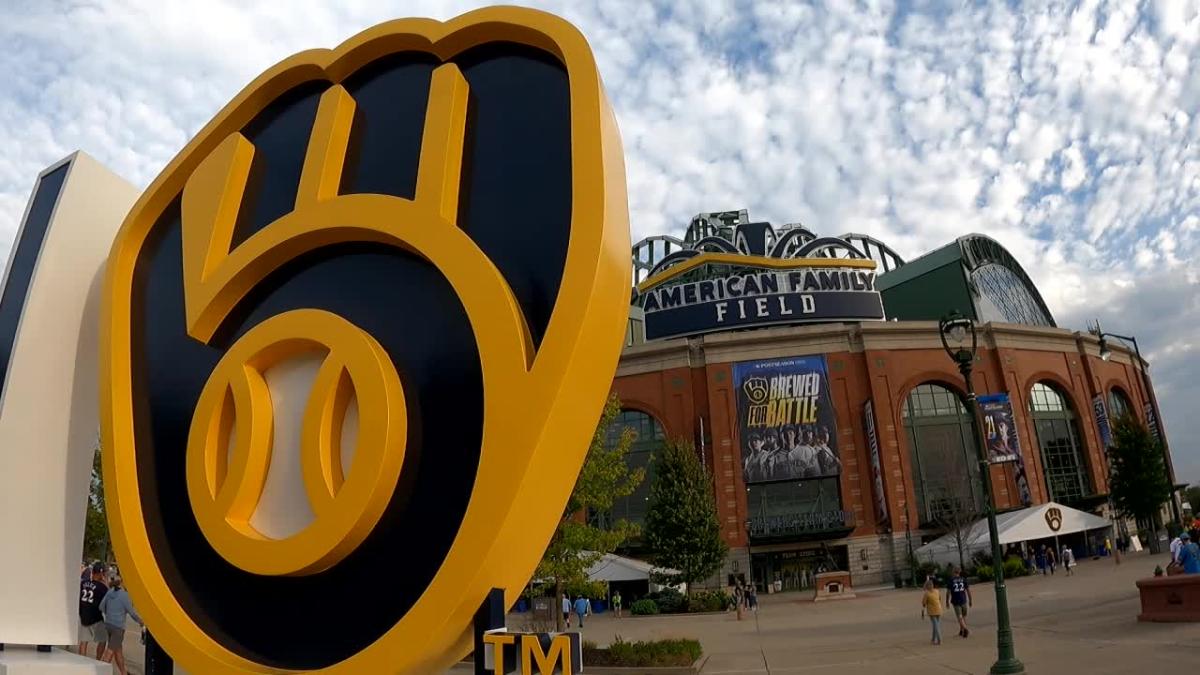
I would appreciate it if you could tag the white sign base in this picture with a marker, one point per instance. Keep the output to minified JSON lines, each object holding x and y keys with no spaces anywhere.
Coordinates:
{"x":49,"y":421}
{"x":15,"y":660}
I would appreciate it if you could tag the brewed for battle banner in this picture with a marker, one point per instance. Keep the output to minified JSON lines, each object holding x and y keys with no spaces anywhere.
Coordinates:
{"x":786,"y":420}
{"x":999,"y":431}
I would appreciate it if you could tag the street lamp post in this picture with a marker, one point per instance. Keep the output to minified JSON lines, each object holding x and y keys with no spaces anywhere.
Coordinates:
{"x":1106,"y":354}
{"x":960,"y":340}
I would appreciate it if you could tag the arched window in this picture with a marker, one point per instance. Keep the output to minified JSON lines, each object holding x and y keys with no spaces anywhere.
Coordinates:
{"x":1062,"y":450}
{"x":944,"y":467}
{"x":648,"y":438}
{"x":1118,"y":404}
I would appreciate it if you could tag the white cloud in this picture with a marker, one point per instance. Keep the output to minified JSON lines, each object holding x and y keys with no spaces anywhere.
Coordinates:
{"x":1066,"y":131}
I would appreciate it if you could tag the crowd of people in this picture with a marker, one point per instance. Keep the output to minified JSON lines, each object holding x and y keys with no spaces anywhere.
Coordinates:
{"x":744,"y":596}
{"x":104,"y":610}
{"x":793,"y":452}
{"x":1045,"y":561}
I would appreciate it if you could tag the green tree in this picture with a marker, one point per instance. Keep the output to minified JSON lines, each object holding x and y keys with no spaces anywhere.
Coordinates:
{"x":683,"y":532}
{"x":1139,"y":483}
{"x":956,"y":509}
{"x":96,"y":544}
{"x":579,"y":541}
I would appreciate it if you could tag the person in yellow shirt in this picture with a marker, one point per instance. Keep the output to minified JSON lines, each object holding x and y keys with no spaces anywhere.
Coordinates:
{"x":931,"y":605}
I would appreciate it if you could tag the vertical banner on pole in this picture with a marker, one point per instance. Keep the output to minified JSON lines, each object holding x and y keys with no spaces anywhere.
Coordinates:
{"x":1102,"y":421}
{"x":1152,"y":421}
{"x":881,"y":507}
{"x":999,"y":431}
{"x":1003,"y":443}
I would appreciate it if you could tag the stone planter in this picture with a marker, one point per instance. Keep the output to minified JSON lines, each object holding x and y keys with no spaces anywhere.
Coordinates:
{"x":1170,"y":599}
{"x":468,"y":667}
{"x":621,"y":670}
{"x":832,"y":586}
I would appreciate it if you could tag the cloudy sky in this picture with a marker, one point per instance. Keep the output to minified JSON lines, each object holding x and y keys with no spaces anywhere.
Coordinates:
{"x":1069,"y":132}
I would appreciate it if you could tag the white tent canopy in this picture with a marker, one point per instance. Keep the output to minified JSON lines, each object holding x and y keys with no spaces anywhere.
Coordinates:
{"x":1013,"y":527}
{"x":612,"y":567}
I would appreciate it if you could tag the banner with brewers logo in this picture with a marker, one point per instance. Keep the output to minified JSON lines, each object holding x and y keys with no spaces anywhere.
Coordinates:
{"x":999,"y":430}
{"x":786,"y":420}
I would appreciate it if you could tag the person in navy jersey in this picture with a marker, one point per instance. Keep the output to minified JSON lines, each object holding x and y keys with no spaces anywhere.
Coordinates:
{"x":91,"y":620}
{"x":958,"y":596}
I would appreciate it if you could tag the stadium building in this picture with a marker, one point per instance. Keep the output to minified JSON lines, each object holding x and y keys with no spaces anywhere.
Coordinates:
{"x":810,"y":374}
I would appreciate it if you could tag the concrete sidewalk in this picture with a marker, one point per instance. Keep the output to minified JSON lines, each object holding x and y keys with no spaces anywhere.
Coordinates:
{"x":1086,"y":623}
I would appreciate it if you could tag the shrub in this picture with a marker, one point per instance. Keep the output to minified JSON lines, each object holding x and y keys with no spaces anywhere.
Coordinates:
{"x":1015,"y":567}
{"x":709,"y":601}
{"x":644,"y":607}
{"x":924,"y":570}
{"x":982,"y":557}
{"x":948,"y":572}
{"x":984,"y":572}
{"x":657,"y":653}
{"x":669,"y":601}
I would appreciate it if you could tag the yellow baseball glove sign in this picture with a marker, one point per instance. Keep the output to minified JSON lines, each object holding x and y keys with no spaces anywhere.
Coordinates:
{"x":388,"y":282}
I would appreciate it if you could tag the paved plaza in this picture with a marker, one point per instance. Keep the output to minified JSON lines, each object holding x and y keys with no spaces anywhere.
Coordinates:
{"x":1086,"y":623}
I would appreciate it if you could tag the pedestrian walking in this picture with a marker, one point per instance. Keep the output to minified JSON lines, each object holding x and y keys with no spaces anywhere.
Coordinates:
{"x":91,"y":619}
{"x":1041,"y":560}
{"x":1051,"y":561}
{"x":616,"y":603}
{"x":1189,"y":555}
{"x":931,"y":606}
{"x":117,"y":607}
{"x":1068,"y":560}
{"x":752,"y":597}
{"x":566,"y":610}
{"x":1176,"y":546}
{"x":582,"y":608}
{"x":958,"y":596}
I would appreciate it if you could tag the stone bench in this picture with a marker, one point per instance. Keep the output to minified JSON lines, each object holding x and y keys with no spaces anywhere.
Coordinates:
{"x":1173,"y":598}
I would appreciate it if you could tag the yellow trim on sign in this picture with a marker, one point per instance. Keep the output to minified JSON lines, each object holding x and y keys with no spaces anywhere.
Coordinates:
{"x":540,"y":410}
{"x":224,"y":498}
{"x":750,"y":261}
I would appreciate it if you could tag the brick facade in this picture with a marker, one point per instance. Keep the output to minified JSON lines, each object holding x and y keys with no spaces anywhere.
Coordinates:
{"x":687,"y":385}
